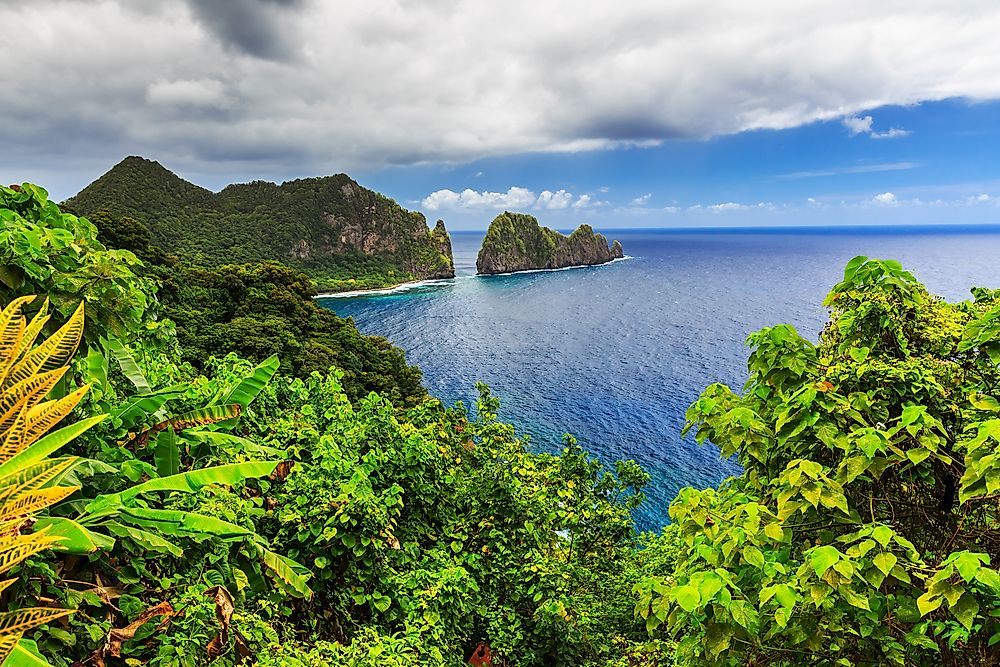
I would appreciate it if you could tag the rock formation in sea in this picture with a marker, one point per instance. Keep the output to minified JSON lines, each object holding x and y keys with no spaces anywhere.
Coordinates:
{"x":517,"y":242}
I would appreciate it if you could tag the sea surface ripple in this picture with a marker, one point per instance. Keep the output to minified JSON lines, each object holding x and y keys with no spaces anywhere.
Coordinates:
{"x":615,"y":354}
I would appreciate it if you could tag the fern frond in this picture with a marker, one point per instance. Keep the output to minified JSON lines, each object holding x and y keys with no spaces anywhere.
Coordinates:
{"x":22,"y":620}
{"x":30,"y":333}
{"x":32,"y":423}
{"x":15,"y":548}
{"x":53,"y":353}
{"x":27,"y":502}
{"x":33,"y":388}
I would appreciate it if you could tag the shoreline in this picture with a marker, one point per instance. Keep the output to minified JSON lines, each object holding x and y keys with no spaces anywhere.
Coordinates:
{"x":416,"y":284}
{"x":561,"y":268}
{"x":376,"y":291}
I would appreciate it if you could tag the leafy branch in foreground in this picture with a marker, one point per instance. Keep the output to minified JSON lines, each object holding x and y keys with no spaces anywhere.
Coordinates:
{"x":865,"y":528}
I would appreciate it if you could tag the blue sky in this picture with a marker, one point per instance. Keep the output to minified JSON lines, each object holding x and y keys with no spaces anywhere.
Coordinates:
{"x":621,"y":114}
{"x":937,"y":166}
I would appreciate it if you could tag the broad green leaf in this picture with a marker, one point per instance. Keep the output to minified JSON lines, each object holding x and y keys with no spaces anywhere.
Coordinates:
{"x":144,"y":538}
{"x":288,"y":571}
{"x":965,"y":610}
{"x":928,"y":602}
{"x":166,"y":455}
{"x":26,"y":654}
{"x":774,"y":531}
{"x":753,"y":556}
{"x":254,"y":383}
{"x":176,"y":522}
{"x":885,"y":561}
{"x":823,"y":558}
{"x":143,"y":408}
{"x":127,"y":363}
{"x":687,"y":597}
{"x":882,"y":535}
{"x":188,"y":482}
{"x":76,"y":539}
{"x":917,"y":454}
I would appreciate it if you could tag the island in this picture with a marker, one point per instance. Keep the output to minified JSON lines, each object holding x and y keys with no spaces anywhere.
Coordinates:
{"x":517,"y":242}
{"x":342,"y":235}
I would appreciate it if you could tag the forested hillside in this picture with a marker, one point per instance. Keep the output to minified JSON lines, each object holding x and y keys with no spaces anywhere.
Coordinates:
{"x":343,"y":235}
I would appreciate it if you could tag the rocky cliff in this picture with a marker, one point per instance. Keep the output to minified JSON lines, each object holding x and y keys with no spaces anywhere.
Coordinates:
{"x":516,"y":242}
{"x":343,"y":235}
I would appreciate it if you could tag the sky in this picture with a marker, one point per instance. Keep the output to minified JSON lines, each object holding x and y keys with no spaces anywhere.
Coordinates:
{"x":631,"y":113}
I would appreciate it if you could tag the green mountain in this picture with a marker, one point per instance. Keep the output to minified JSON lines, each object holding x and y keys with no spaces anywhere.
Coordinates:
{"x":517,"y":242}
{"x":341,"y":234}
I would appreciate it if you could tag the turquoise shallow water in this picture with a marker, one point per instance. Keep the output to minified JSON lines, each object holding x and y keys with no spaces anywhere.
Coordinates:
{"x":615,"y":354}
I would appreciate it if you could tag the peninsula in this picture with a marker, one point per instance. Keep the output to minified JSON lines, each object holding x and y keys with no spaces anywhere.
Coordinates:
{"x":342,"y":235}
{"x":517,"y":242}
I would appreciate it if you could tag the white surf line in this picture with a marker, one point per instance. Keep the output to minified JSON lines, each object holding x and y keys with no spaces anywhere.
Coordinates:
{"x":561,"y":268}
{"x":403,"y":287}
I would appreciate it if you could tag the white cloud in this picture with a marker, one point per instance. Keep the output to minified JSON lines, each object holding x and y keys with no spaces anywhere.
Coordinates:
{"x":643,"y":200}
{"x":864,"y":125}
{"x":312,"y":87}
{"x":856,"y":125}
{"x":885,"y":199}
{"x":516,"y":198}
{"x":553,"y":200}
{"x":729,"y":206}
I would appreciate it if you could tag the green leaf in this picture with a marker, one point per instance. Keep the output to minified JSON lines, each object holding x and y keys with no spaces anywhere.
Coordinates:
{"x":885,"y":561}
{"x":882,"y":535}
{"x":753,"y":556}
{"x":254,"y":383}
{"x":121,"y":354}
{"x":687,"y":597}
{"x":76,"y":539}
{"x":966,"y":609}
{"x":928,"y":602}
{"x":144,"y":539}
{"x":859,"y":354}
{"x":166,"y":455}
{"x":26,"y":654}
{"x":968,"y":564}
{"x":176,"y":522}
{"x":774,"y":531}
{"x":143,"y":408}
{"x":917,"y":454}
{"x":289,"y":572}
{"x":823,"y":558}
{"x":187,"y":482}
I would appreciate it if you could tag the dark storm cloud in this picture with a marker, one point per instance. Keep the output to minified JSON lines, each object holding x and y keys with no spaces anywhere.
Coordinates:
{"x":254,"y":27}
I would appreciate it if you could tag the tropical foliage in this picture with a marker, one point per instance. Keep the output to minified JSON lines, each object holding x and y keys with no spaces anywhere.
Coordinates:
{"x":864,"y":529}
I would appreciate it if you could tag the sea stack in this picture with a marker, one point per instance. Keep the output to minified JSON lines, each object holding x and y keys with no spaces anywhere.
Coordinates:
{"x":517,"y":242}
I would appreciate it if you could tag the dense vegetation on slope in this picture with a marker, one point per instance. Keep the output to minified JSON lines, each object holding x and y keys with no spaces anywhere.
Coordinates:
{"x":516,"y":242}
{"x":260,"y":309}
{"x":234,"y":514}
{"x":344,"y":236}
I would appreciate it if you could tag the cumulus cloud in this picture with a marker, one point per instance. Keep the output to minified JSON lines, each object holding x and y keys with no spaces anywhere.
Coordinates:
{"x":310,"y":87}
{"x":864,"y":125}
{"x":729,"y":206}
{"x":516,"y":198}
{"x":643,"y":200}
{"x":885,"y":199}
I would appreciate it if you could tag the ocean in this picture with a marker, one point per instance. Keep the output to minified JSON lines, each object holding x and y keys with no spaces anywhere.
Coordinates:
{"x":615,"y":354}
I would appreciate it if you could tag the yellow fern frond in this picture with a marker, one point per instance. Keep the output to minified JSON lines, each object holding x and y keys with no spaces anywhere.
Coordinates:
{"x":28,"y":502}
{"x":11,"y":326}
{"x":15,"y":548}
{"x":35,"y":388}
{"x":53,"y":353}
{"x":7,"y":644}
{"x":46,"y":474}
{"x":30,"y":333}
{"x":21,"y":620}
{"x":34,"y":422}
{"x":34,"y":476}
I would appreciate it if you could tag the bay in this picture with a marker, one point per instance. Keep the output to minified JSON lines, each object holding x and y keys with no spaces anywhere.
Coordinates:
{"x":615,"y":354}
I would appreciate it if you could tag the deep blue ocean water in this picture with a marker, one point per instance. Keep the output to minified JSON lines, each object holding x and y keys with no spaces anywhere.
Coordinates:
{"x":614,"y":354}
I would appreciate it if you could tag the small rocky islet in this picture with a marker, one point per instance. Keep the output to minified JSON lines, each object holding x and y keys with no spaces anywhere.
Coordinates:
{"x":517,"y":242}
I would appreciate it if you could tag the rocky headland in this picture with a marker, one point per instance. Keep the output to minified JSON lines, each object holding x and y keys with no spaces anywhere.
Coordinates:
{"x":517,"y":242}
